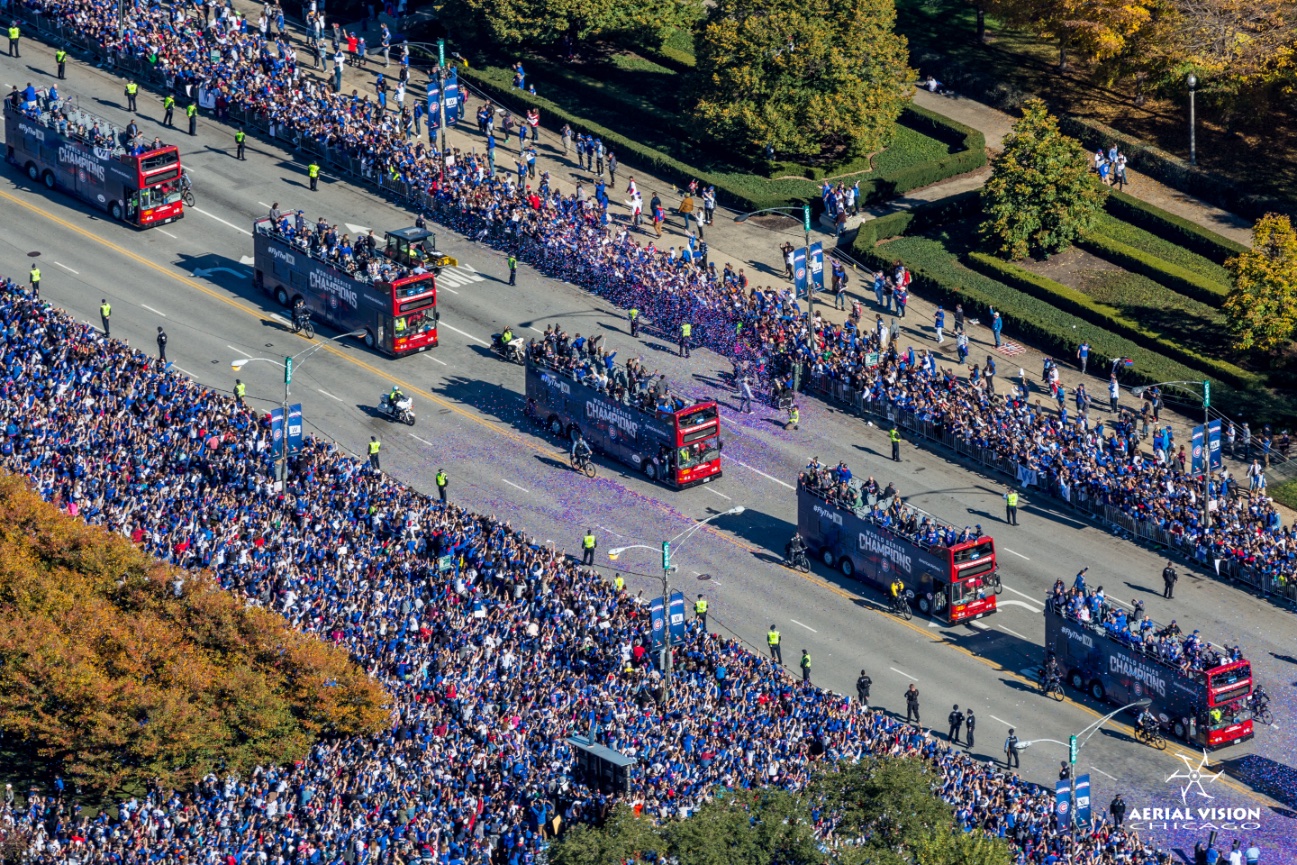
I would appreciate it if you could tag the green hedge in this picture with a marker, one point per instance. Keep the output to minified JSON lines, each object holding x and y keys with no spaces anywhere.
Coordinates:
{"x":1168,"y":226}
{"x":749,"y":191}
{"x":937,"y":274}
{"x":916,"y":219}
{"x":1173,"y":277}
{"x":1084,"y":306}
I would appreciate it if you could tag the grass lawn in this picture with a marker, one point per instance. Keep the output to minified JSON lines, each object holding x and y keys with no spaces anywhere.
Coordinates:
{"x":1132,"y":235}
{"x":1174,"y":316}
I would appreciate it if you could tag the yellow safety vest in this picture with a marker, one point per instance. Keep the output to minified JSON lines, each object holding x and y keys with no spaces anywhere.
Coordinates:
{"x":191,"y":110}
{"x":373,"y":448}
{"x":894,"y":436}
{"x":700,"y":606}
{"x":13,"y":32}
{"x":239,"y":136}
{"x":773,"y":638}
{"x":686,"y":329}
{"x":588,"y":542}
{"x":169,"y":102}
{"x":634,"y":314}
{"x":132,"y":88}
{"x":794,"y":416}
{"x":36,"y":274}
{"x":60,"y":56}
{"x":1012,"y":499}
{"x":106,"y":310}
{"x":806,"y":661}
{"x":240,"y":389}
{"x":441,"y":479}
{"x":619,"y":582}
{"x":312,"y":170}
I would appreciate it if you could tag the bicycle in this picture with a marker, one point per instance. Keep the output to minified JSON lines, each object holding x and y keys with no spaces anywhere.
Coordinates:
{"x":187,"y":196}
{"x":800,"y":562}
{"x":585,"y":466}
{"x":1151,"y":736}
{"x":900,"y":605}
{"x":1052,"y":688}
{"x":1261,"y":711}
{"x":993,"y":580}
{"x":304,"y":326}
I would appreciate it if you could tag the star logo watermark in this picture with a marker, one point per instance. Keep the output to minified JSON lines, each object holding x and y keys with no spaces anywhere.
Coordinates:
{"x":1193,"y":777}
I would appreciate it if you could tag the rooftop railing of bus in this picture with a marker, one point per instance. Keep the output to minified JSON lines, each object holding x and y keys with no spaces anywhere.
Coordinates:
{"x":79,"y":122}
{"x":539,"y":359}
{"x":864,"y":512}
{"x":357,"y":272}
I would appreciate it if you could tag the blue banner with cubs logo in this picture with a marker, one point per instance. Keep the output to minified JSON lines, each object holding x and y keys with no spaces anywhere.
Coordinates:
{"x":1196,"y":437}
{"x":658,"y":620}
{"x":1063,"y":802}
{"x":799,"y":272}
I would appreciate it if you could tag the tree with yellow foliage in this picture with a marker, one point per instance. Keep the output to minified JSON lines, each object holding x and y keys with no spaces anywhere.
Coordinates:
{"x":1261,"y":309}
{"x":1093,"y":29}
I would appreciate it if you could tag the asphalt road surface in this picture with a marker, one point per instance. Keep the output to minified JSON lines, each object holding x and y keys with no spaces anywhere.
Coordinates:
{"x":193,"y":278}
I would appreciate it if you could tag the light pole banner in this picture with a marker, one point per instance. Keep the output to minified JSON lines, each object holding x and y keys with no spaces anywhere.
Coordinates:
{"x":294,"y":434}
{"x":434,"y":112}
{"x":817,"y":265}
{"x":1083,"y":799}
{"x":1196,"y":438}
{"x":277,"y":432}
{"x":454,"y":106}
{"x":1063,"y":802}
{"x":657,"y":616}
{"x":1213,"y":443}
{"x":677,"y":611}
{"x":799,"y":272}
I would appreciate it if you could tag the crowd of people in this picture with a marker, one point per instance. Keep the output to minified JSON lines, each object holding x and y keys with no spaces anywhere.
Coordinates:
{"x":588,"y":361}
{"x":447,"y":608}
{"x":362,"y":259}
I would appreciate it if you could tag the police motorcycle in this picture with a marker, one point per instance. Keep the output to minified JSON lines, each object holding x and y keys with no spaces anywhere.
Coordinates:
{"x":396,"y":406}
{"x":510,"y":347}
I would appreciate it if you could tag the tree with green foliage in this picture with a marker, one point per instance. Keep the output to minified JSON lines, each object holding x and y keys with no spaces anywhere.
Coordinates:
{"x":814,"y":79}
{"x":1261,"y":309}
{"x":507,"y":24}
{"x":886,"y":811}
{"x":1041,"y":195}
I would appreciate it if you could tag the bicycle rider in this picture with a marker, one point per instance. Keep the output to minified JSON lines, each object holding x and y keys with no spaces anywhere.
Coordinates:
{"x":794,"y":548}
{"x":300,"y":313}
{"x":896,"y":590}
{"x":1147,"y":722}
{"x":580,"y":450}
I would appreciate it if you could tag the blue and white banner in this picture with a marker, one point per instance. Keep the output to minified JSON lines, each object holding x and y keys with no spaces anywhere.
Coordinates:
{"x":277,"y":433}
{"x":1063,"y":802}
{"x":1213,"y":443}
{"x":454,"y":106}
{"x":1083,"y":799}
{"x":799,"y":272}
{"x":434,"y":110}
{"x":677,"y":611}
{"x":1026,"y":476}
{"x":817,"y":265}
{"x":294,"y":434}
{"x":657,"y":616}
{"x":1196,"y":438}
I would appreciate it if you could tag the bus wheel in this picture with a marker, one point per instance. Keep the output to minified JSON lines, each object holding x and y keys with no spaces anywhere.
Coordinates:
{"x":32,"y":171}
{"x":1076,"y":680}
{"x":48,"y":179}
{"x":847,"y":567}
{"x":555,"y":425}
{"x":651,"y":470}
{"x":1180,"y":732}
{"x":925,"y":606}
{"x":826,"y":556}
{"x":370,"y":342}
{"x":281,"y":296}
{"x":1097,"y":690}
{"x":115,"y":210}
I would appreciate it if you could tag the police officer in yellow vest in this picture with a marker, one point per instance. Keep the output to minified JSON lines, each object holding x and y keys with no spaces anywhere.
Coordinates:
{"x":587,"y":548}
{"x":443,"y":481}
{"x":619,"y":582}
{"x":772,"y":640}
{"x":794,"y":418}
{"x":700,"y":610}
{"x":634,"y":322}
{"x":192,"y":113}
{"x":132,"y":90}
{"x":36,"y":280}
{"x":168,"y":109}
{"x":374,"y":446}
{"x":313,"y":172}
{"x":240,"y":389}
{"x":239,"y":138}
{"x":14,"y":33}
{"x":61,"y":58}
{"x":686,"y":331}
{"x":806,"y":666}
{"x":105,"y":311}
{"x":895,"y":437}
{"x":1011,"y":507}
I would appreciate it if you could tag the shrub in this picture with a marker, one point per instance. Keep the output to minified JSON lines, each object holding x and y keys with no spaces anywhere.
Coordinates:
{"x":1167,"y":250}
{"x":1138,"y":261}
{"x":116,"y":681}
{"x":1170,"y":227}
{"x":928,"y":215}
{"x":1084,"y":306}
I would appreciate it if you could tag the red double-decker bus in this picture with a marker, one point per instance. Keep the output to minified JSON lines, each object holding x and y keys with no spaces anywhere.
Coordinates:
{"x":952,"y":580}
{"x":392,"y":297}
{"x":67,"y":148}
{"x":678,"y":443}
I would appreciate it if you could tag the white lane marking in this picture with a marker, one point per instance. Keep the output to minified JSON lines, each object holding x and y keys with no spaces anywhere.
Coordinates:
{"x":329,"y":395}
{"x":763,"y":474}
{"x":441,"y":287}
{"x":1019,"y":555}
{"x":247,"y":259}
{"x":416,"y":438}
{"x":222,"y":221}
{"x":68,"y":269}
{"x":462,"y":333}
{"x":1031,"y":598}
{"x":453,"y":279}
{"x":279,"y":318}
{"x":515,"y":486}
{"x":356,"y":229}
{"x":162,"y":231}
{"x":979,"y":625}
{"x":1004,"y":722}
{"x":1015,"y":633}
{"x":807,"y":627}
{"x":608,"y":530}
{"x":1103,"y":773}
{"x":1023,"y":604}
{"x":722,"y":495}
{"x":438,"y":360}
{"x":1030,"y":673}
{"x":537,"y":329}
{"x":903,"y":673}
{"x":934,"y":624}
{"x":151,"y":309}
{"x":238,"y":351}
{"x":182,"y":369}
{"x":262,"y":203}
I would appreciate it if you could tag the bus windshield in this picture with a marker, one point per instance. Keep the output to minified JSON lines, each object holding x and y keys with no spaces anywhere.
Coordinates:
{"x":701,"y":451}
{"x":1230,"y":684}
{"x":694,"y":417}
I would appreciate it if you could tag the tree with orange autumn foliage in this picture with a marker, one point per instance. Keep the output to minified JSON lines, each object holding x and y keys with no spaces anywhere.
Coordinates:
{"x":116,"y":678}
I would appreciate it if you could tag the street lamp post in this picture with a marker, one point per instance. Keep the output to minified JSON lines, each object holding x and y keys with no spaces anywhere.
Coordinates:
{"x":1205,"y":384}
{"x":1075,"y":743}
{"x":1192,"y":81}
{"x":806,"y":228}
{"x":287,"y":365}
{"x":667,"y":568}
